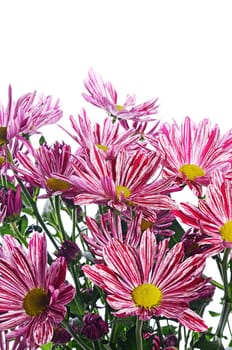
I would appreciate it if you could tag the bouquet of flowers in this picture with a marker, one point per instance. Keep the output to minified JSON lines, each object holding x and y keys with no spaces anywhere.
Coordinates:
{"x":96,"y":251}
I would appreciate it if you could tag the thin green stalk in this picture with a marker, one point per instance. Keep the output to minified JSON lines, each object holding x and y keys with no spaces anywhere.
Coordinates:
{"x":214,"y":283}
{"x":58,"y":217}
{"x":79,"y":342}
{"x":18,"y":234}
{"x":114,"y":332}
{"x":36,"y":212}
{"x":138,"y":334}
{"x":97,"y":345}
{"x":74,"y":217}
{"x":79,"y":302}
{"x":227,"y":297}
{"x":159,"y":331}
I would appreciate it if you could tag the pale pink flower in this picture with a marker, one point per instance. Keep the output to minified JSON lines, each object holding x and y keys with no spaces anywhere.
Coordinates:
{"x":193,"y":152}
{"x":158,"y":281}
{"x":103,"y":95}
{"x":129,"y":180}
{"x":213,"y":215}
{"x":33,"y":295}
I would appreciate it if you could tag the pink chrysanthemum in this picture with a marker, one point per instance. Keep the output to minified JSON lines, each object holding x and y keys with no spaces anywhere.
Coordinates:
{"x":103,"y":95}
{"x":130,"y":180}
{"x":193,"y":151}
{"x":16,"y":344}
{"x":33,"y":295}
{"x":158,"y":282}
{"x":107,"y":137}
{"x":27,"y":115}
{"x":213,"y":215}
{"x":10,"y":203}
{"x":110,"y":227}
{"x":50,"y":169}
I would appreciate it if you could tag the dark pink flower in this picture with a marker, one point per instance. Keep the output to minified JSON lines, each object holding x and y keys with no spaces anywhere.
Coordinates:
{"x":193,"y":152}
{"x":213,"y":215}
{"x":18,"y":343}
{"x":33,"y":295}
{"x":158,"y":282}
{"x":26,"y":115}
{"x":50,"y":167}
{"x":10,"y":203}
{"x":130,"y":180}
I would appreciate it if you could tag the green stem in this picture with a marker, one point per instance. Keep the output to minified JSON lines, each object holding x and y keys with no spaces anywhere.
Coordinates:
{"x":214,"y":283}
{"x":79,"y":302}
{"x":114,"y":332}
{"x":227,"y":298}
{"x":138,"y":334}
{"x":79,"y":342}
{"x":74,"y":217}
{"x":59,"y":219}
{"x":97,"y":345}
{"x":18,"y":234}
{"x":36,"y":212}
{"x":159,"y":331}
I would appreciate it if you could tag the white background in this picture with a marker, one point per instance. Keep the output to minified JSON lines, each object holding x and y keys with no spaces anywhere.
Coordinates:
{"x":177,"y":50}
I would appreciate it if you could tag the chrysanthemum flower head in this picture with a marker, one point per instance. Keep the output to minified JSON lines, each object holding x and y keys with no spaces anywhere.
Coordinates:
{"x":26,"y":115}
{"x":103,"y":95}
{"x":49,"y":167}
{"x":213,"y":215}
{"x":108,"y":137}
{"x":10,"y":203}
{"x":18,"y":343}
{"x":129,"y":180}
{"x":33,"y":295}
{"x":112,"y":226}
{"x":158,"y":282}
{"x":193,"y":151}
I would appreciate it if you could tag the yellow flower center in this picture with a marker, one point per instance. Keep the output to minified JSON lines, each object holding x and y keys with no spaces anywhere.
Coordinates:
{"x":35,"y":302}
{"x":123,"y":189}
{"x":146,"y":224}
{"x":226,"y":231}
{"x":147,"y":295}
{"x":3,"y":136}
{"x":102,"y":147}
{"x":2,"y":160}
{"x":57,"y":184}
{"x":192,"y":171}
{"x":119,"y":107}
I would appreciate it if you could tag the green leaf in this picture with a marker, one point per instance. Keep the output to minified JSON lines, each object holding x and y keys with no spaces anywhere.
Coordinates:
{"x":42,"y":140}
{"x":179,"y":231}
{"x":22,"y":223}
{"x":5,"y":229}
{"x":214,"y":314}
{"x":47,"y":346}
{"x":204,"y":344}
{"x":167,"y":330}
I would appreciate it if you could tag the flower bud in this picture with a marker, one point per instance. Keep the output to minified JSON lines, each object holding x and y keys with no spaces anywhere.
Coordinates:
{"x":60,"y":336}
{"x":70,"y":251}
{"x":94,"y":327}
{"x":170,"y":340}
